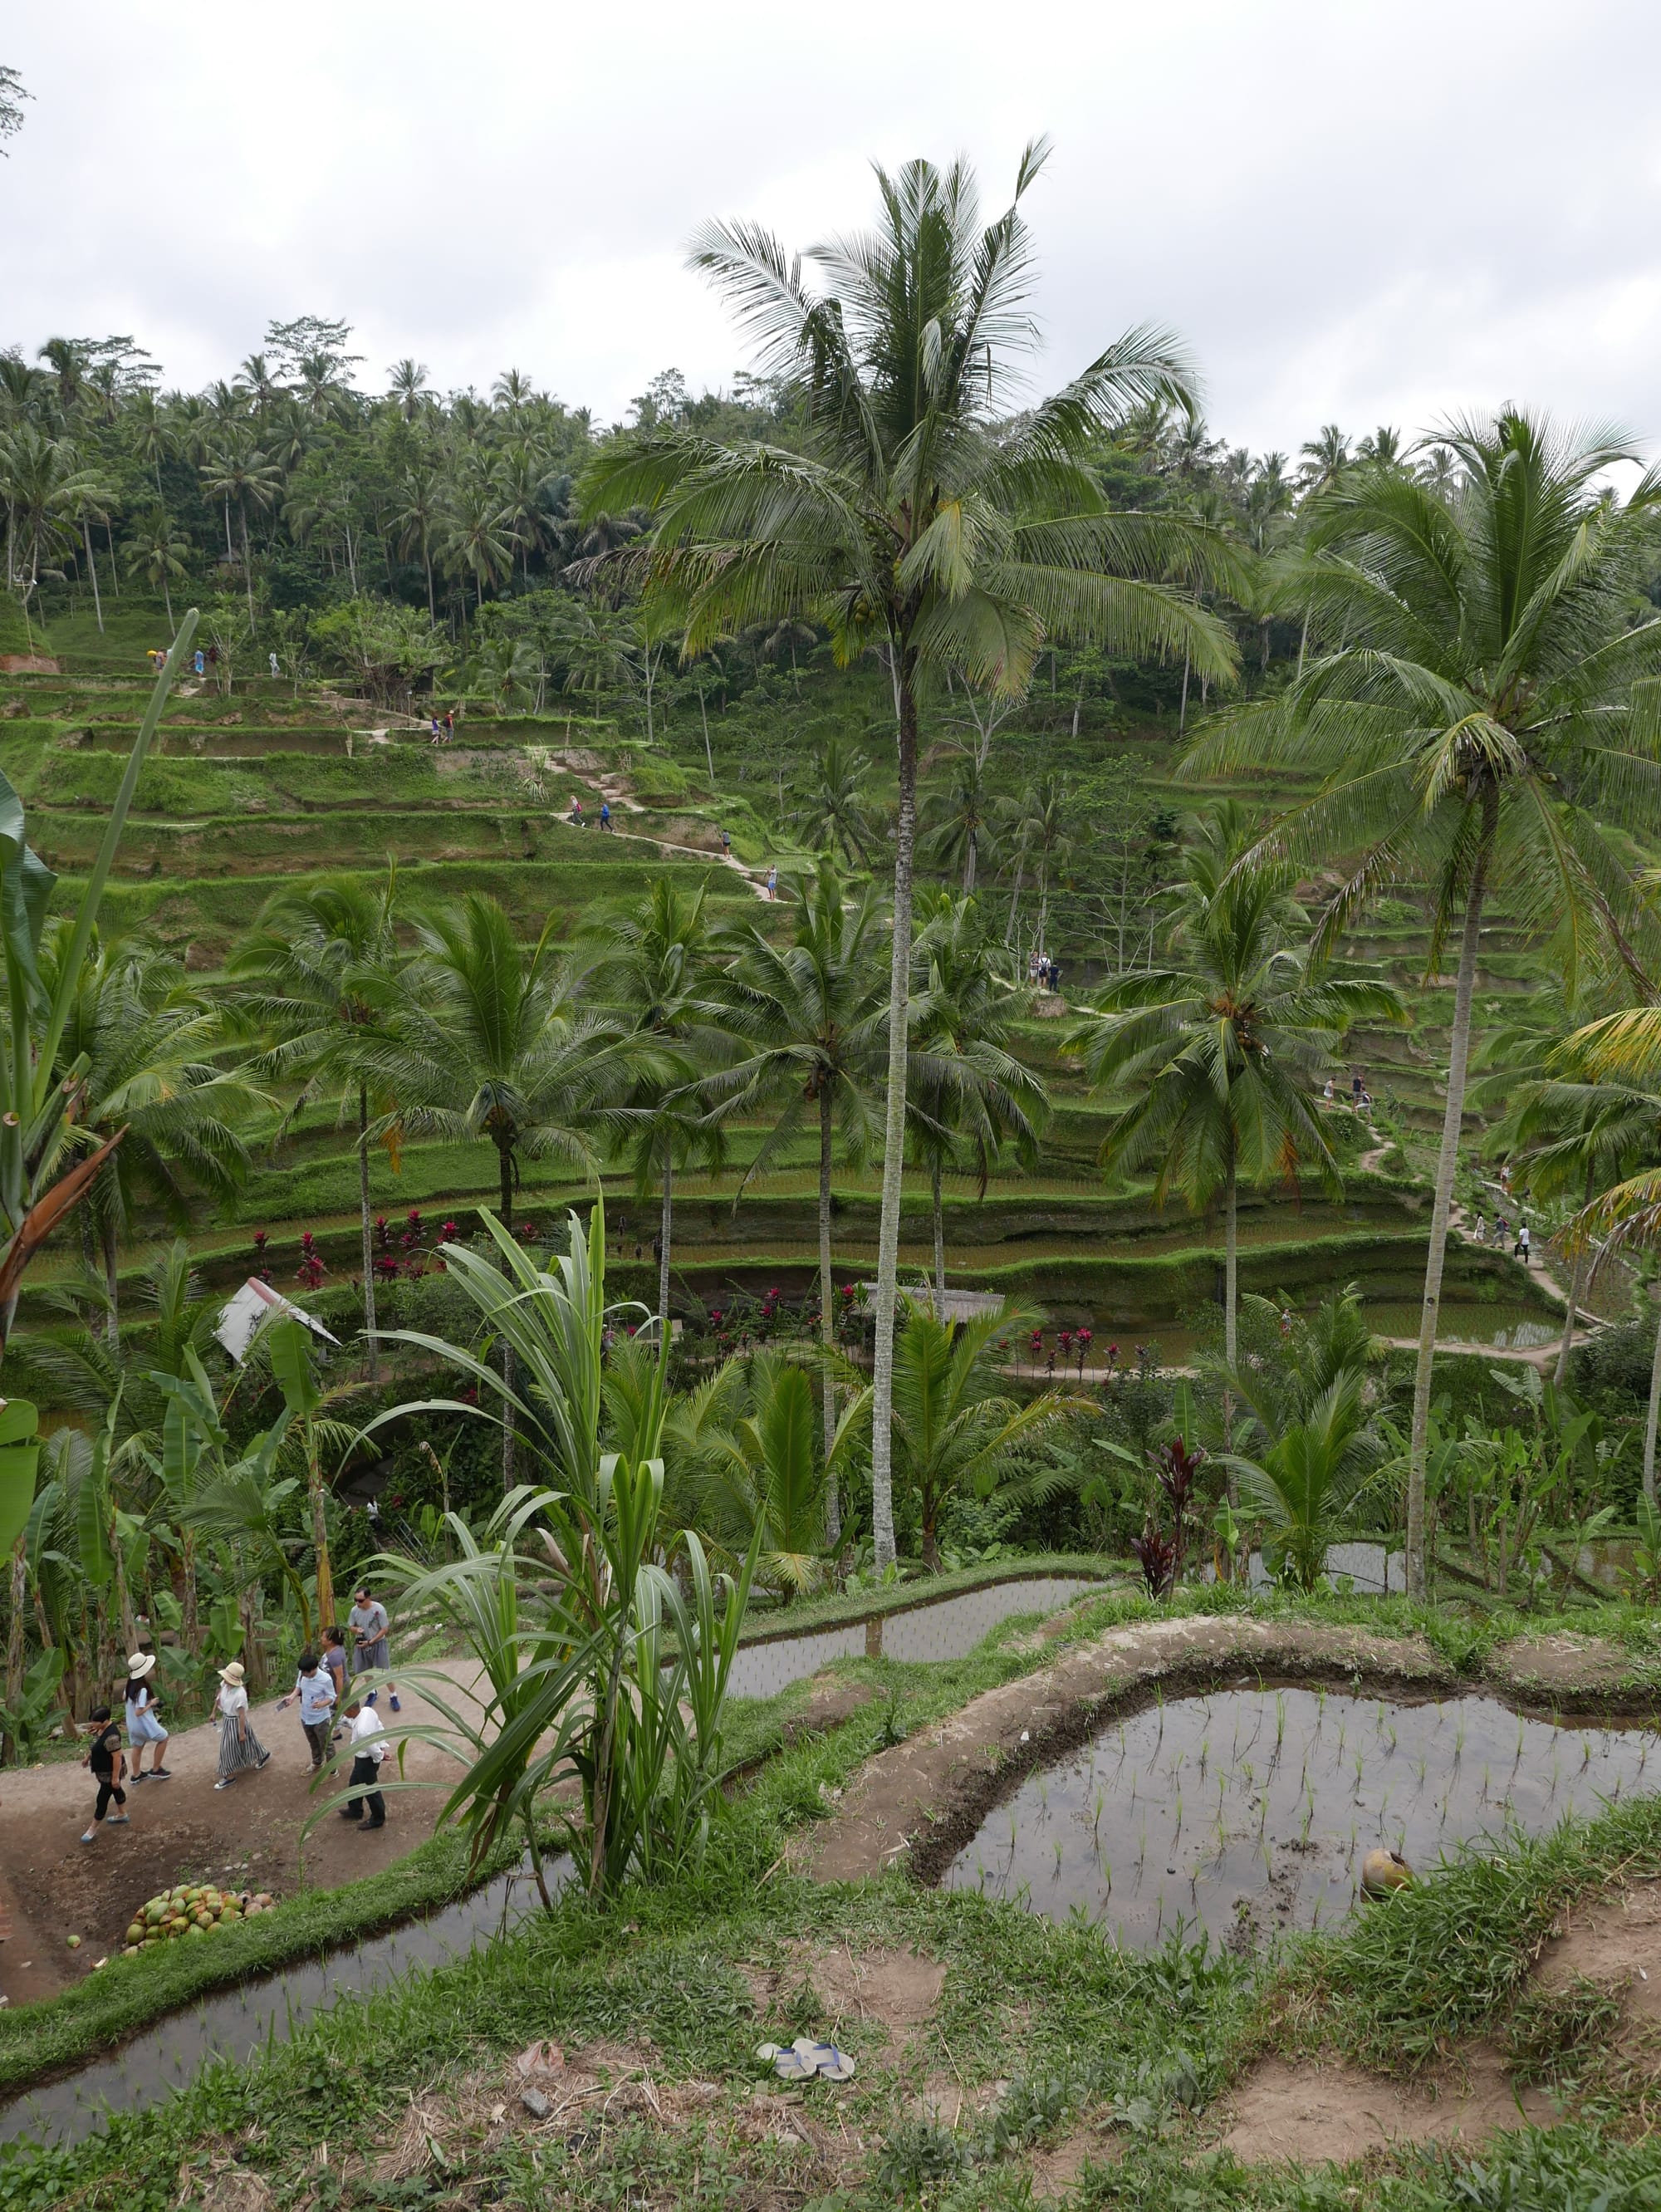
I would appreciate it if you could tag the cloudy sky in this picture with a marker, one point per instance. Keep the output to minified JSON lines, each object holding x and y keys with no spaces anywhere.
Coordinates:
{"x":1349,"y":211}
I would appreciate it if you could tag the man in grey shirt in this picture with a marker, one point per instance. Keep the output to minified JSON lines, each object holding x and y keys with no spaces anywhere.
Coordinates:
{"x":366,"y":1624}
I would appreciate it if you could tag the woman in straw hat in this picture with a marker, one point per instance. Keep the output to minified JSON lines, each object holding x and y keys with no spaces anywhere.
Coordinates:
{"x":143,"y":1726}
{"x":239,"y":1747}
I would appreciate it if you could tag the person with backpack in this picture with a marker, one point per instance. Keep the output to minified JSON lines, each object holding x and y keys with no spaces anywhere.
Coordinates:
{"x":104,"y":1755}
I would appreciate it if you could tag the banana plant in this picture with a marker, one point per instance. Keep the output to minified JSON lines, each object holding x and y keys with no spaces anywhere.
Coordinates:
{"x":41,"y":1182}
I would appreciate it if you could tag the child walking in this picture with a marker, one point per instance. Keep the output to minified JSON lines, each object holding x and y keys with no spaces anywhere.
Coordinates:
{"x":108,"y":1763}
{"x":240,"y":1748}
{"x":316,"y":1694}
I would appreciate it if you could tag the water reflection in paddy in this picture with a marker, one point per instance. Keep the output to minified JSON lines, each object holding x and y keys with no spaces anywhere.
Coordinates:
{"x":1255,"y":1808}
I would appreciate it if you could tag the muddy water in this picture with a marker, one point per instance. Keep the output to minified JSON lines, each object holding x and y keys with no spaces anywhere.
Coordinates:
{"x":243,"y":2020}
{"x":1249,"y":1812}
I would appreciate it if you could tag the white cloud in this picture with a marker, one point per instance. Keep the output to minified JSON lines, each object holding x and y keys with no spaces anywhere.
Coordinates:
{"x":1351,"y":211}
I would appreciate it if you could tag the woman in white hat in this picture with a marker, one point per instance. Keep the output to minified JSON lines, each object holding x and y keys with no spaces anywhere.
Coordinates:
{"x":143,"y":1726}
{"x":239,"y":1747}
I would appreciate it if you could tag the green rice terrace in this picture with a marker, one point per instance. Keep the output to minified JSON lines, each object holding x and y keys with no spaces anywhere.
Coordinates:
{"x":831,"y":1376}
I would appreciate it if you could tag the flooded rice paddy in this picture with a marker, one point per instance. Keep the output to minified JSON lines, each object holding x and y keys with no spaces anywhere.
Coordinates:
{"x":1248,"y":1811}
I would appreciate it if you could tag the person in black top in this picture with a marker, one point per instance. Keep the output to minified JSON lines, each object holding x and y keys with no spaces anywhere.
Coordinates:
{"x":108,"y":1763}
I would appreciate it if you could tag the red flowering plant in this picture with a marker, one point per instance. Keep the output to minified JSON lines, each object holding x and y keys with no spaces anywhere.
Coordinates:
{"x":1082,"y":1339}
{"x":261,"y":1258}
{"x":312,"y":1269}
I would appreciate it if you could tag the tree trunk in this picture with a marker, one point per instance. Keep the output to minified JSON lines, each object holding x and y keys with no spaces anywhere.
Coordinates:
{"x":319,"y":1533}
{"x":192,"y":1620}
{"x":893,"y":1139}
{"x":709,"y":757}
{"x":1182,"y":717}
{"x":931,"y":1543}
{"x":665,"y":1229}
{"x":247,"y":565}
{"x":427,"y":563}
{"x":92,"y":570}
{"x":505,"y":1157}
{"x":368,"y":1237}
{"x":1015,"y":900}
{"x":1231,"y":1309}
{"x":1575,"y":1275}
{"x":1446,"y":1164}
{"x":107,"y":1229}
{"x":1650,"y":1424}
{"x":115,"y":566}
{"x":827,"y":1312}
{"x":969,"y":857}
{"x":939,"y":1242}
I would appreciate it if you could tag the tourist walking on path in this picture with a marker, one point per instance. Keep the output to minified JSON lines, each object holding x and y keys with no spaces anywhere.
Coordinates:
{"x":1521,"y":1250}
{"x":143,"y":1726}
{"x":108,"y":1763}
{"x":772,"y":883}
{"x":369,"y":1747}
{"x":240,"y":1748}
{"x":334,"y":1658}
{"x":316,"y":1694}
{"x":367,"y":1623}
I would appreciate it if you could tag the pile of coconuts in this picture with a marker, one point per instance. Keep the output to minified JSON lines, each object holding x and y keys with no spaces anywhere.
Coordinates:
{"x":192,"y":1909}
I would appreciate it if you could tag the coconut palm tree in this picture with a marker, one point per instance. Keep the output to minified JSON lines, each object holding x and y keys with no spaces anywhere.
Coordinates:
{"x":833,"y":811}
{"x":809,"y":1015}
{"x":1035,"y":826}
{"x":955,"y":1427}
{"x":482,"y":1040}
{"x":314,"y":980}
{"x":958,"y":821}
{"x":743,"y":1441}
{"x":157,"y":552}
{"x":241,"y":472}
{"x":915,"y":520}
{"x":138,"y":1050}
{"x":1492,"y":715}
{"x":968,"y":1096}
{"x":655,"y":962}
{"x":1217,"y":1055}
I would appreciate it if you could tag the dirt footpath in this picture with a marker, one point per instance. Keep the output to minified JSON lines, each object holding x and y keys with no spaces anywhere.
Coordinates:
{"x":52,"y":1886}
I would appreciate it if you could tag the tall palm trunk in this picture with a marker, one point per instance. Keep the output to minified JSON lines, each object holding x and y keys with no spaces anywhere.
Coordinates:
{"x":1653,"y":1420}
{"x":709,"y":757}
{"x":665,"y":1232}
{"x":827,"y":1312}
{"x":92,"y":570}
{"x":1231,"y":1311}
{"x":969,"y":857}
{"x":319,"y":1530}
{"x":368,"y":1238}
{"x":107,"y":1229}
{"x":192,"y":1618}
{"x":247,"y":565}
{"x":1446,"y":1163}
{"x":893,"y":1135}
{"x":1182,"y":715}
{"x":504,"y":1159}
{"x":1576,"y":1274}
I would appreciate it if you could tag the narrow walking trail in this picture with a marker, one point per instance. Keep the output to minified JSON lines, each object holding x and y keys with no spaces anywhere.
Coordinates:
{"x":53,"y":1886}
